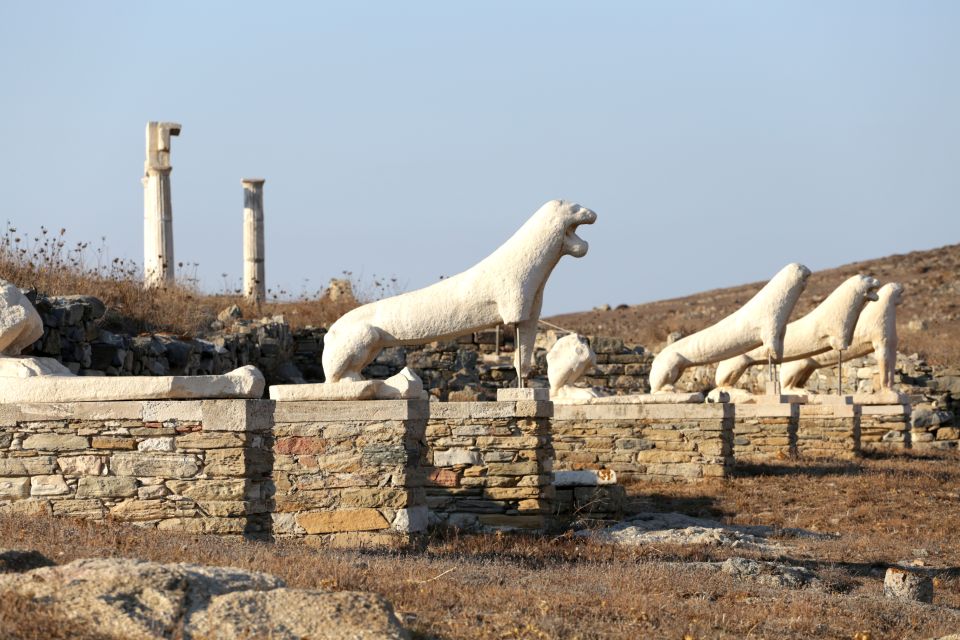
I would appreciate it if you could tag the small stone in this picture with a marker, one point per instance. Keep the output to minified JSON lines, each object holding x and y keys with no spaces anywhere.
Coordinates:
{"x":907,"y":585}
{"x":54,"y":442}
{"x":156,"y":444}
{"x":454,"y":457}
{"x":14,"y":488}
{"x":106,"y":487}
{"x":52,"y":485}
{"x":80,"y":465}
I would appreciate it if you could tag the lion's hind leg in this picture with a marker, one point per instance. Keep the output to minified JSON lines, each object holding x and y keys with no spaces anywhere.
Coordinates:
{"x":666,"y":369}
{"x":347,"y":350}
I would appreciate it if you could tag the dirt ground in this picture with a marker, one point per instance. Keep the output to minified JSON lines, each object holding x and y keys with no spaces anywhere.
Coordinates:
{"x":878,"y":511}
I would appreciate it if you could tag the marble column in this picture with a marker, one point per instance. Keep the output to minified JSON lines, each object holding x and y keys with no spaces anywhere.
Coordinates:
{"x":254,"y":278}
{"x":158,"y":264}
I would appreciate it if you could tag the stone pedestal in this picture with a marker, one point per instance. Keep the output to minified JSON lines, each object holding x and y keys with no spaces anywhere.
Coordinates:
{"x":346,"y":472}
{"x":829,"y":431}
{"x":641,"y":442}
{"x":158,"y":259}
{"x":488,"y":464}
{"x":199,"y":466}
{"x":254,"y":272}
{"x":885,"y":427}
{"x":765,"y":432}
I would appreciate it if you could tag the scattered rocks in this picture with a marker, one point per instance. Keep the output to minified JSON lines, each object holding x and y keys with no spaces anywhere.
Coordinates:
{"x":772,"y":574}
{"x":124,"y":598}
{"x":680,"y":529}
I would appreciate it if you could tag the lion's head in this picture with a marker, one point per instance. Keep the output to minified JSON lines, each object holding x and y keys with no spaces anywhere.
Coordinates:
{"x":893,"y":291}
{"x":566,"y":217}
{"x":868,"y":286}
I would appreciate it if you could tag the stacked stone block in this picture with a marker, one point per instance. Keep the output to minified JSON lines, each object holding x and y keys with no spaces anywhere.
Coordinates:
{"x":765,"y":432}
{"x":884,"y":427}
{"x":488,"y":464}
{"x":348,"y":473}
{"x":684,"y":442}
{"x":828,"y":431}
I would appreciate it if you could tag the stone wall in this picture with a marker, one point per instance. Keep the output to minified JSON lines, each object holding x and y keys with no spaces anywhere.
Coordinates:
{"x":765,"y":432}
{"x":347,"y":473}
{"x":488,"y":464}
{"x":335,"y":472}
{"x":77,"y":333}
{"x":828,"y":431}
{"x":191,"y":466}
{"x":684,"y":442}
{"x":885,"y":427}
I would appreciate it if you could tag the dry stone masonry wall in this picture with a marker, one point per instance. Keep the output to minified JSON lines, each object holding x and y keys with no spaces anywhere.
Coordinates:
{"x":645,"y":442}
{"x":348,"y":472}
{"x":191,"y":466}
{"x":489,"y":464}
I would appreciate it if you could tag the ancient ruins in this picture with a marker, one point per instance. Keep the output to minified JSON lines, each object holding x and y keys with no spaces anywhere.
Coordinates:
{"x":417,"y":417}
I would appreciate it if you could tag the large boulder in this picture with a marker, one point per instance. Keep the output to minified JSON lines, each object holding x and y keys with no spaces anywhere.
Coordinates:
{"x":134,"y":599}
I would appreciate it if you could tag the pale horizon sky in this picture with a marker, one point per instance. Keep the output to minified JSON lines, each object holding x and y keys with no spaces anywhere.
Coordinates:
{"x":717,"y":141}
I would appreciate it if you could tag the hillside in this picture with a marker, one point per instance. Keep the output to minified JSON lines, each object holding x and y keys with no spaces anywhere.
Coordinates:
{"x":928,"y":320}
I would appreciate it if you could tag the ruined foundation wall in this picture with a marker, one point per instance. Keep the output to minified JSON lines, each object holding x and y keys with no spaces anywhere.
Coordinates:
{"x":488,"y":464}
{"x":684,"y":442}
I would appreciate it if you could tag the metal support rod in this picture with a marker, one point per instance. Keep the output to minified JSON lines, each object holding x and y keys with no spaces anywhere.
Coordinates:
{"x":516,"y":356}
{"x":839,"y":372}
{"x":497,"y":339}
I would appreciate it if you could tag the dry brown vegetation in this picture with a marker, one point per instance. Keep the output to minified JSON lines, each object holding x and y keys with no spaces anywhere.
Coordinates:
{"x":885,"y":510}
{"x":46,"y":263}
{"x":931,"y":278}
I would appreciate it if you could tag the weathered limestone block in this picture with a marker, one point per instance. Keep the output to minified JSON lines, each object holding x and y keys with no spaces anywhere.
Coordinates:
{"x":106,"y":487}
{"x":36,"y":465}
{"x":207,"y":440}
{"x":55,"y":442}
{"x":51,"y":485}
{"x":112,"y":442}
{"x":222,"y":489}
{"x":14,"y":488}
{"x":342,"y":520}
{"x":83,"y":465}
{"x":152,"y":464}
{"x":141,"y":510}
{"x":156,"y":444}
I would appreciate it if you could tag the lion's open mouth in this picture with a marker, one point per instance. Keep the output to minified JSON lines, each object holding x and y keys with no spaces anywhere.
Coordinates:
{"x":574,"y":244}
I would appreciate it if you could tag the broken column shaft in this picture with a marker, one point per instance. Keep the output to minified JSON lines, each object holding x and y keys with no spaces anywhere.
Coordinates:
{"x":158,"y":265}
{"x":254,"y":278}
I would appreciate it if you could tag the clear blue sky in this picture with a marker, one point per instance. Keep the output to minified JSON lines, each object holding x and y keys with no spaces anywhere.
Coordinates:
{"x":717,"y":141}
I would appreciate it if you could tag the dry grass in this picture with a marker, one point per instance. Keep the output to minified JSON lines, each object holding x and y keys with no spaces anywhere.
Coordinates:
{"x":931,"y":278}
{"x":46,"y":263}
{"x":885,"y":510}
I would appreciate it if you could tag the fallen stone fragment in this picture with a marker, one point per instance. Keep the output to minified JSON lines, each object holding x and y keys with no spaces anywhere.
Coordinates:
{"x":904,"y":584}
{"x":137,"y":600}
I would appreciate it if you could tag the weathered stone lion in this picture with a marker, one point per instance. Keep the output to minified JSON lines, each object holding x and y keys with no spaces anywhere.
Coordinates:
{"x":876,"y":331}
{"x":829,"y":326}
{"x":505,"y":287}
{"x":758,"y":323}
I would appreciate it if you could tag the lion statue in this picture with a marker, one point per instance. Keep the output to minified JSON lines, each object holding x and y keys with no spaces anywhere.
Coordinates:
{"x":505,"y":287}
{"x":829,"y":326}
{"x":876,"y":331}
